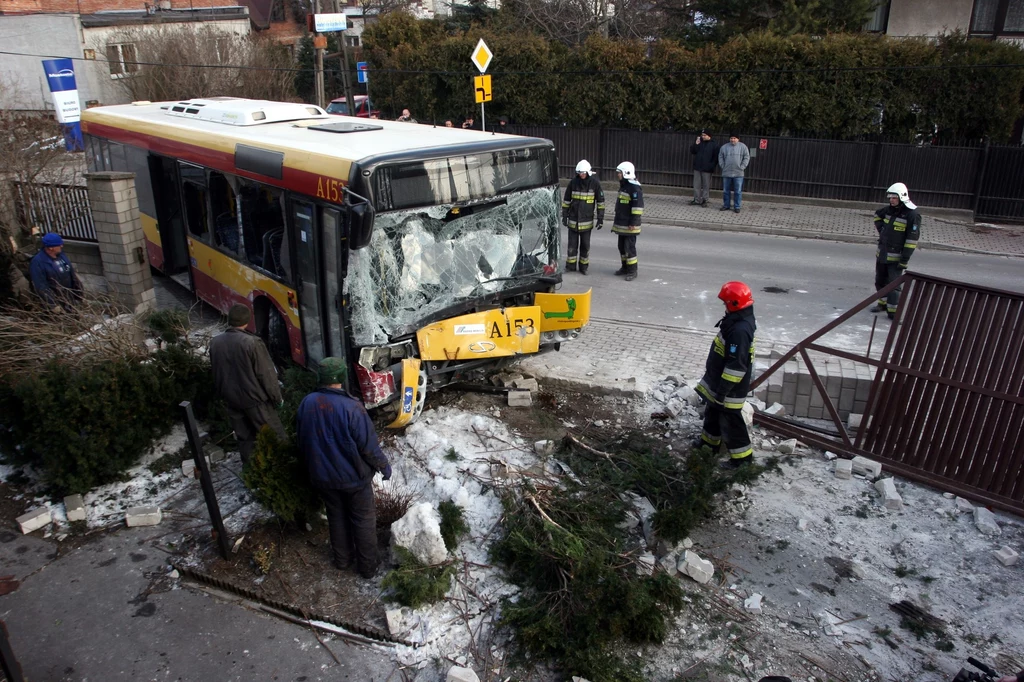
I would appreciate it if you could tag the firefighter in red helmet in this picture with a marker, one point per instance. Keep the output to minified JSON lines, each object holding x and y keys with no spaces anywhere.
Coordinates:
{"x":726,"y":379}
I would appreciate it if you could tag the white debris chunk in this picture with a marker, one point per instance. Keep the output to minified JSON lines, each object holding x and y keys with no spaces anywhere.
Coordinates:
{"x":753,"y":603}
{"x":1006,"y":556}
{"x":843,"y":468}
{"x":787,"y":447}
{"x":890,"y":498}
{"x":866,"y":467}
{"x":699,"y":569}
{"x":986,"y":521}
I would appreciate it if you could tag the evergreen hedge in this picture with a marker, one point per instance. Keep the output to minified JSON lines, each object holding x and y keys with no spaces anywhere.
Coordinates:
{"x":83,"y":428}
{"x":833,"y":86}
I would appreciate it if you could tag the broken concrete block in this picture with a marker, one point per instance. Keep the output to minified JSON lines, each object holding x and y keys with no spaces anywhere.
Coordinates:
{"x":830,"y":455}
{"x":890,"y":498}
{"x":1006,"y":556}
{"x":866,"y":467}
{"x":544,"y":448}
{"x":395,"y":619}
{"x":143,"y":516}
{"x":74,"y":508}
{"x":748,"y":414}
{"x":963,"y":506}
{"x":853,"y":421}
{"x":777,"y":409}
{"x":188,"y":468}
{"x":419,"y":531}
{"x":460,"y":674}
{"x":801,"y":524}
{"x":526,"y":385}
{"x":757,"y":404}
{"x":844,"y":468}
{"x":646,"y":511}
{"x":753,"y":603}
{"x":986,"y":521}
{"x":630,"y":521}
{"x":519,"y":398}
{"x":669,"y":563}
{"x":697,"y":568}
{"x":687,"y":543}
{"x":645,"y":564}
{"x":213,"y":452}
{"x":787,"y":447}
{"x":686,"y":395}
{"x":506,"y":379}
{"x":34,"y":520}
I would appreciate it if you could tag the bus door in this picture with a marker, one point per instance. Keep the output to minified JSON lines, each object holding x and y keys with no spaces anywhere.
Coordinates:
{"x":163,"y":173}
{"x":202,"y":257}
{"x":318,"y":238}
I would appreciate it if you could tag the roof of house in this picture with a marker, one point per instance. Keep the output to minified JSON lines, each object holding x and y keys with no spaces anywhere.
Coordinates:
{"x":162,"y":16}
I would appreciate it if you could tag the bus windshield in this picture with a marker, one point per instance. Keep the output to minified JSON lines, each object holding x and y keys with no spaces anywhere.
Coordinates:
{"x":421,"y":261}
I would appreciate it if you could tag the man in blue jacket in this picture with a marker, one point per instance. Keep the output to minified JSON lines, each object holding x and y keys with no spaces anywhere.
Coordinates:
{"x":339,"y":444}
{"x":53,"y":277}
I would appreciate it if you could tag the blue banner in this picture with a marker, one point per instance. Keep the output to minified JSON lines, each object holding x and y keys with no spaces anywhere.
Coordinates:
{"x":60,"y":75}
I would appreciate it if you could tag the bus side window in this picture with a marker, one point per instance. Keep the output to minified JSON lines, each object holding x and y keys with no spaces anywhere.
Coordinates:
{"x":193,"y":194}
{"x":222,"y":213}
{"x":264,"y":230}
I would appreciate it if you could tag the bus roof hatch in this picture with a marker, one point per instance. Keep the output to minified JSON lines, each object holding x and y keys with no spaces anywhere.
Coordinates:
{"x":242,"y":112}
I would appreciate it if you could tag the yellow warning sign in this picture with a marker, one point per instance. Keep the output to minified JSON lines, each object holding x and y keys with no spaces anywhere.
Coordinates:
{"x":482,"y":56}
{"x":482,"y":88}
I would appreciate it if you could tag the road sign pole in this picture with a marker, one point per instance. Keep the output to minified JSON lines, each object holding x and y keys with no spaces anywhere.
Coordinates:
{"x":483,"y":119}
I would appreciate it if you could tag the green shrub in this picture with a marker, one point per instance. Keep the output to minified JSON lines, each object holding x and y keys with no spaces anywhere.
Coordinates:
{"x":277,"y":477}
{"x":83,"y":428}
{"x":453,"y":523}
{"x":170,"y":325}
{"x":414,"y":584}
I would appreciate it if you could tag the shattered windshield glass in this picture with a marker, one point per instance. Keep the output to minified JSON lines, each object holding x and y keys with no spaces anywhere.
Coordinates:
{"x":422,"y":261}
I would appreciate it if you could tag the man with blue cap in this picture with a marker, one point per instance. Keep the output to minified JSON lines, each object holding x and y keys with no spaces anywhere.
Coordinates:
{"x":342,"y":454}
{"x":53,"y":277}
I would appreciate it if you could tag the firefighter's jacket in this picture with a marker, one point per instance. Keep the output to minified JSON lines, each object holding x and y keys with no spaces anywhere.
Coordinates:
{"x":584,"y":198}
{"x":899,"y":228}
{"x":629,"y":207}
{"x":730,"y":362}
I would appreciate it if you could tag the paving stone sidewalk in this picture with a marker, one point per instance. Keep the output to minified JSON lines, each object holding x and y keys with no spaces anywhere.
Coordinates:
{"x":829,"y":222}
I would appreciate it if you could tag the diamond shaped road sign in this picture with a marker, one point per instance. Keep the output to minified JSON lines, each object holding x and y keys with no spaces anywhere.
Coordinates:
{"x":482,"y":56}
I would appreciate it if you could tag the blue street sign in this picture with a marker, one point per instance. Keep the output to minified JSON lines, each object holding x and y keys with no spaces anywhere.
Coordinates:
{"x":363,"y":72}
{"x":60,"y":74}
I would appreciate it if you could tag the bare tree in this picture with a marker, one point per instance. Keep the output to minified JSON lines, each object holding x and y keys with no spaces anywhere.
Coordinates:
{"x":199,"y":61}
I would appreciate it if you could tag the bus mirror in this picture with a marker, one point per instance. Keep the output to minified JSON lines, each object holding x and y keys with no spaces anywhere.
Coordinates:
{"x":360,"y":225}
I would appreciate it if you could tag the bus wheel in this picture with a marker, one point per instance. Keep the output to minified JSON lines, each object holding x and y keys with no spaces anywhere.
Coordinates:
{"x":275,"y":335}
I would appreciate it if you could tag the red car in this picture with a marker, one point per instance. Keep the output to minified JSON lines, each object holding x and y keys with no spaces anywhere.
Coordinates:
{"x":364,"y":107}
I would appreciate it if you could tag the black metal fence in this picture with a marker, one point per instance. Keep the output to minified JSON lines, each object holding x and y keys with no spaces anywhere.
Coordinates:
{"x":986,"y":179}
{"x":63,"y":209}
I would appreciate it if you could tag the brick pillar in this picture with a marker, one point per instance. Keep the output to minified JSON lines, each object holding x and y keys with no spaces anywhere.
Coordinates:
{"x":115,"y":213}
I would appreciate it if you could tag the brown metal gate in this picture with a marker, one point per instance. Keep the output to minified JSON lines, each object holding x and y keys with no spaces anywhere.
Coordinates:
{"x":946,"y":406}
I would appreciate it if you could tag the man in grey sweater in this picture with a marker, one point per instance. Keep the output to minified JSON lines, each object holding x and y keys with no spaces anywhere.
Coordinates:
{"x":245,"y":378}
{"x":734,"y":159}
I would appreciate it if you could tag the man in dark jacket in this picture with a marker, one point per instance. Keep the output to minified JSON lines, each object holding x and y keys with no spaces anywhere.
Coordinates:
{"x":726,"y":379}
{"x":53,"y":277}
{"x":584,"y":200}
{"x":899,"y":228}
{"x":705,"y":159}
{"x":245,"y":378}
{"x":339,"y":444}
{"x":629,"y":213}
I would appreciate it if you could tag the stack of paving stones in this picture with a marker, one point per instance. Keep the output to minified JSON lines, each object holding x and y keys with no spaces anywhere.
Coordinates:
{"x":847,"y":383}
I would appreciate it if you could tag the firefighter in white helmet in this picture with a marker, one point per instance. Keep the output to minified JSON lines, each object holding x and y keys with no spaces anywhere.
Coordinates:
{"x":899,"y":228}
{"x":629,"y":210}
{"x":583,"y":203}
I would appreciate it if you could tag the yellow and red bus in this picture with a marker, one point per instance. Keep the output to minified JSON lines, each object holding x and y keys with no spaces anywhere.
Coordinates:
{"x":417,"y":253}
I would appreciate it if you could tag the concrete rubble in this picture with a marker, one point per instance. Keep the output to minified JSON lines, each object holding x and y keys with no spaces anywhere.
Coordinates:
{"x":699,"y":569}
{"x":1006,"y":556}
{"x":866,"y":467}
{"x":891,"y":499}
{"x":520,"y":398}
{"x":74,"y":508}
{"x":419,"y":531}
{"x":544,"y":448}
{"x":460,"y":674}
{"x":986,"y":521}
{"x":34,"y":520}
{"x":143,"y":516}
{"x":787,"y":447}
{"x":753,"y":603}
{"x":843,"y":468}
{"x":964,"y":506}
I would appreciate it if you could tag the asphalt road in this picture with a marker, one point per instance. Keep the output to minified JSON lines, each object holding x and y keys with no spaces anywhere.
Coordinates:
{"x":799,"y":285}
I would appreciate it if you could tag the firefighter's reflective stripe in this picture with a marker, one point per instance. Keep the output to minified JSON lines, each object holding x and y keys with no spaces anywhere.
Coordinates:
{"x":732,"y":375}
{"x":740,"y":453}
{"x":713,"y":441}
{"x":733,"y":403}
{"x":626,"y":229}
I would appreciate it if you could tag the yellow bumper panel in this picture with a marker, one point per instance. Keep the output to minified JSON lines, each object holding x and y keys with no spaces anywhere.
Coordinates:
{"x":488,"y":334}
{"x":411,"y":402}
{"x":563,"y":311}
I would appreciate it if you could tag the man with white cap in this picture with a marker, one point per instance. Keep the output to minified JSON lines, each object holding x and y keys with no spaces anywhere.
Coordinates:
{"x":899,"y":228}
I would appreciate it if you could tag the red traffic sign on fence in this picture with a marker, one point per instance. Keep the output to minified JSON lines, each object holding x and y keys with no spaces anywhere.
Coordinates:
{"x":763,"y":144}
